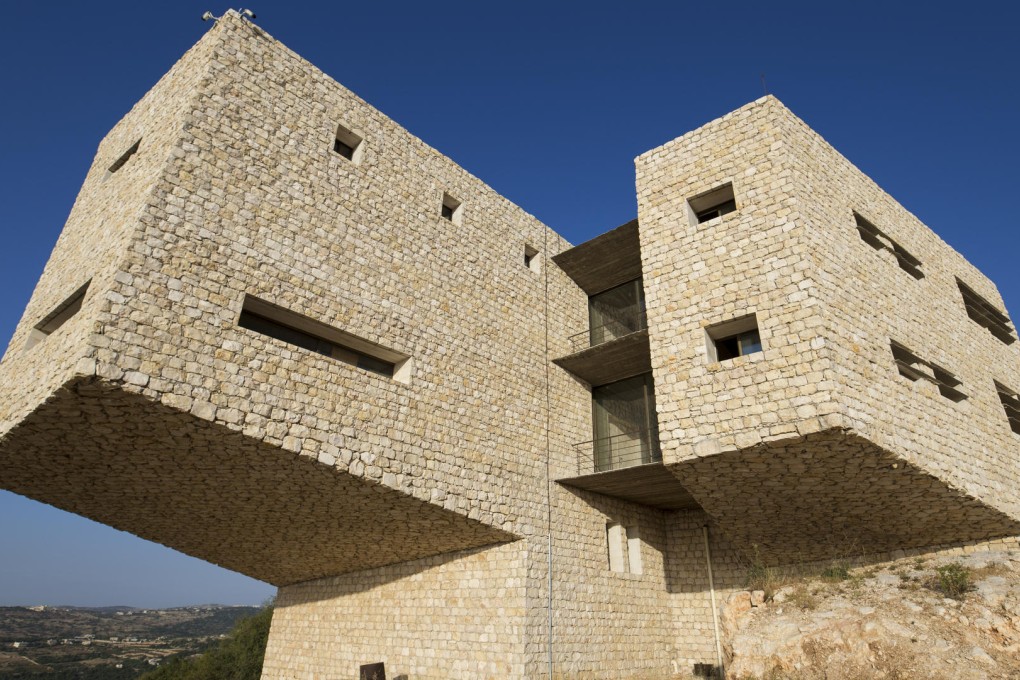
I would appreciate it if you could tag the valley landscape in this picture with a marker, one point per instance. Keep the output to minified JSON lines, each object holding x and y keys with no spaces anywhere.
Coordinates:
{"x":107,"y":643}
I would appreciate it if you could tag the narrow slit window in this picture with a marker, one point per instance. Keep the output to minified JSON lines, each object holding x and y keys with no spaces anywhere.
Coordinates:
{"x":634,"y":550}
{"x":451,"y":209}
{"x":624,"y":544}
{"x":120,"y":162}
{"x":735,"y":338}
{"x":985,"y":314}
{"x":915,"y":368}
{"x":616,"y":539}
{"x":1010,"y":404}
{"x":302,"y":331}
{"x":348,"y":144}
{"x":531,"y":258}
{"x":715,"y":203}
{"x":58,"y":317}
{"x":877,"y":239}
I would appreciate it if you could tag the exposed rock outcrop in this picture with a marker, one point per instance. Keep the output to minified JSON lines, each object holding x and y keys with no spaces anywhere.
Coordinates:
{"x":892,"y":621}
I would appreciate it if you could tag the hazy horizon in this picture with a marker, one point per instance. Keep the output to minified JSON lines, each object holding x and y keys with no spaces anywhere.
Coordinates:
{"x":73,"y":561}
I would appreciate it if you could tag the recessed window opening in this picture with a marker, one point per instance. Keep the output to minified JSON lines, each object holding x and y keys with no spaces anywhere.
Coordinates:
{"x":634,"y":550}
{"x":451,"y":209}
{"x":348,"y":144}
{"x":616,"y":312}
{"x":985,"y":314}
{"x":734,"y":338}
{"x":915,"y":368}
{"x":624,"y":544}
{"x":1010,"y":404}
{"x":58,"y":317}
{"x":715,"y":203}
{"x":877,"y":239}
{"x":617,"y":542}
{"x":119,"y":163}
{"x":531,"y":258}
{"x":625,"y":427}
{"x":302,"y":331}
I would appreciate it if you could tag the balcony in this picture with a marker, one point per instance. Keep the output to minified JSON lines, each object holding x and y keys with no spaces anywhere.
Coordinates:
{"x":623,"y":458}
{"x":617,"y":451}
{"x":615,"y":346}
{"x":629,"y":466}
{"x":621,"y":322}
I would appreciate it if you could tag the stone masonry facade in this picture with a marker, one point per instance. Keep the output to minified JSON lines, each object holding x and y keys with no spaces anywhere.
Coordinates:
{"x":390,"y":442}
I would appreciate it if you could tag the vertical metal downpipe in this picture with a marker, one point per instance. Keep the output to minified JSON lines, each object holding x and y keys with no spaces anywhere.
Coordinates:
{"x":548,"y":444}
{"x":715,"y":612}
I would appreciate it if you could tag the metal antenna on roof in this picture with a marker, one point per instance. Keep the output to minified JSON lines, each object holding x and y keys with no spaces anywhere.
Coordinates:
{"x":763,"y":87}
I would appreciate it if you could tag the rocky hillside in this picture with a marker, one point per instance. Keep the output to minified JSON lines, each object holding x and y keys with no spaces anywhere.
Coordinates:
{"x":938,"y":618}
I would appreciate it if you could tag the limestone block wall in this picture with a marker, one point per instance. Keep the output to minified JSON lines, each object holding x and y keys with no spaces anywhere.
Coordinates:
{"x":94,"y":239}
{"x":258,"y":203}
{"x":606,"y":623}
{"x":485,"y":613}
{"x":870,"y":300}
{"x":757,"y":259}
{"x":455,"y":615}
{"x":690,"y":597}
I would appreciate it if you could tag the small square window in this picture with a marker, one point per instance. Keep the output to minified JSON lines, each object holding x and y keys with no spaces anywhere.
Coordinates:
{"x":715,"y":203}
{"x":732,"y":339}
{"x":451,"y":209}
{"x":531,"y":258}
{"x":348,"y":144}
{"x":125,"y":157}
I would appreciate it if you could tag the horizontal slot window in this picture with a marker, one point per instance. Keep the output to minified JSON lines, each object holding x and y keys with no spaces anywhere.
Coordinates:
{"x":58,"y":317}
{"x":877,"y":239}
{"x":124,"y":158}
{"x":985,"y":314}
{"x":915,"y":368}
{"x":307,"y":333}
{"x":1010,"y":404}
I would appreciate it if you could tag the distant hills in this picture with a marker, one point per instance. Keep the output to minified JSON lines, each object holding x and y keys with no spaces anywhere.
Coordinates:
{"x":106,"y":643}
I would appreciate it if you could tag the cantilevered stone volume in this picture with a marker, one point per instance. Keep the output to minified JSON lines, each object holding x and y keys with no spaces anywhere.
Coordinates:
{"x":280,"y":333}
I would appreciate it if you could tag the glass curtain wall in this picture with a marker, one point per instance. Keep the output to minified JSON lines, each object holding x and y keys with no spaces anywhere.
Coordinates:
{"x":626,"y":432}
{"x":616,"y":312}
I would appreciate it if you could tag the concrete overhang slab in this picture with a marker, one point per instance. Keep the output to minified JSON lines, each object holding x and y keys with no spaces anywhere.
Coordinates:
{"x":211,"y":492}
{"x":605,"y":261}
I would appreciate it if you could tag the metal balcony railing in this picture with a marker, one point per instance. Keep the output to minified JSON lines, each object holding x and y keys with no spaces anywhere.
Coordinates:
{"x":627,"y":449}
{"x":628,"y":321}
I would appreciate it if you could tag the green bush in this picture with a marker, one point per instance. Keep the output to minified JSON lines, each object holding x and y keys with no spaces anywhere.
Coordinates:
{"x":239,"y":657}
{"x":760,"y":576}
{"x":839,"y":571}
{"x":953,"y":580}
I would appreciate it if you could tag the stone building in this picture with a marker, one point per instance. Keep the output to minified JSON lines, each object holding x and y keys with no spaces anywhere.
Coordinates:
{"x":281,"y":334}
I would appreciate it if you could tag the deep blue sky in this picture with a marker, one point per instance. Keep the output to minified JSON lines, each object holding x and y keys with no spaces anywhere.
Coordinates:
{"x":548,"y":102}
